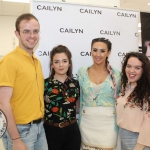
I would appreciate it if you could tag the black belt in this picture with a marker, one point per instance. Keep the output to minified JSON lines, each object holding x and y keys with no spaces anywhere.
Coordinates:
{"x":36,"y":121}
{"x":61,"y":124}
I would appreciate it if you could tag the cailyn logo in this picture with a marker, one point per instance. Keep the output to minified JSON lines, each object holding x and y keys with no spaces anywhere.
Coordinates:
{"x":47,"y":53}
{"x":121,"y":54}
{"x":69,"y":30}
{"x":104,"y":32}
{"x":90,"y":11}
{"x":85,"y":53}
{"x":50,"y":8}
{"x":3,"y":123}
{"x":136,"y":34}
{"x":44,"y":53}
{"x":120,"y":14}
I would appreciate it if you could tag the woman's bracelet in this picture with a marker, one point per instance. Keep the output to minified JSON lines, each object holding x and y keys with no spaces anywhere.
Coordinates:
{"x":16,"y":138}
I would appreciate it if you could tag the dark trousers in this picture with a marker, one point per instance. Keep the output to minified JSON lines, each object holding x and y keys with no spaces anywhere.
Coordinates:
{"x":67,"y":138}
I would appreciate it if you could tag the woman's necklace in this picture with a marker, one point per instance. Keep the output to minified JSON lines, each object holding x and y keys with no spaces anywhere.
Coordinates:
{"x":131,"y":87}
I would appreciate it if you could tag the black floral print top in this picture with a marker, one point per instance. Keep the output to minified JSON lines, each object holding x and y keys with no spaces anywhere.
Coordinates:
{"x":60,"y":99}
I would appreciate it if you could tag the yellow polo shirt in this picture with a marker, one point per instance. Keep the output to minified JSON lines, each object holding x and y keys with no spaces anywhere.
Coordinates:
{"x":24,"y":74}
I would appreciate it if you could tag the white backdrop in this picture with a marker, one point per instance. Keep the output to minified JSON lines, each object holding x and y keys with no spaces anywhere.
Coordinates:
{"x":76,"y":25}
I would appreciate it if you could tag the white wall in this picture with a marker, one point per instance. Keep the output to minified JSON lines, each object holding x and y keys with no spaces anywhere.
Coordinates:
{"x":111,"y":3}
{"x":7,"y":36}
{"x":1,"y":145}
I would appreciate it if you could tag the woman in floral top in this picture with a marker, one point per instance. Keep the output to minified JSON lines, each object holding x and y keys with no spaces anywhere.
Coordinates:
{"x":133,"y":104}
{"x":99,"y":86}
{"x":60,"y":96}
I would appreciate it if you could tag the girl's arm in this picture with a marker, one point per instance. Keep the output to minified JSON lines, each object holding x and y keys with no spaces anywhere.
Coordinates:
{"x":139,"y":147}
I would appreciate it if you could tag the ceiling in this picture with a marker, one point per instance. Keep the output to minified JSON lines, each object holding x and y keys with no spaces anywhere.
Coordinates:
{"x":140,"y":5}
{"x":15,"y":9}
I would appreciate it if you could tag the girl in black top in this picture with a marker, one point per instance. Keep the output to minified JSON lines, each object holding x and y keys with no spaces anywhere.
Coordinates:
{"x":61,"y":94}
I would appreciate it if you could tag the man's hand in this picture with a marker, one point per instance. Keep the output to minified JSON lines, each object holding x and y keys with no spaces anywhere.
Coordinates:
{"x":19,"y":145}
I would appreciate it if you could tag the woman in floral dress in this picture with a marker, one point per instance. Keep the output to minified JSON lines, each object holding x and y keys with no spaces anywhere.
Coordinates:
{"x":133,"y":104}
{"x":60,"y":96}
{"x":99,"y":86}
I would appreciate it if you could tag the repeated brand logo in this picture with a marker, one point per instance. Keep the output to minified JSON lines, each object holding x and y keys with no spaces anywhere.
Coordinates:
{"x":74,"y":76}
{"x":85,"y":53}
{"x":44,"y":53}
{"x":90,"y":11}
{"x":69,"y":30}
{"x":104,"y":32}
{"x":140,"y":49}
{"x":121,"y":14}
{"x":136,"y":34}
{"x":50,"y":8}
{"x":122,"y":54}
{"x":47,"y":53}
{"x":3,"y":123}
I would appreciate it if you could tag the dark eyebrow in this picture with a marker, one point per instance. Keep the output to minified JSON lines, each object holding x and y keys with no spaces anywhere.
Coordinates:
{"x":134,"y":66}
{"x":98,"y":49}
{"x":58,"y":60}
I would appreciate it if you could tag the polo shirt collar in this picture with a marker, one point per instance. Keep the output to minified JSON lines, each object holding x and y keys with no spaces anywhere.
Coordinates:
{"x":20,"y":50}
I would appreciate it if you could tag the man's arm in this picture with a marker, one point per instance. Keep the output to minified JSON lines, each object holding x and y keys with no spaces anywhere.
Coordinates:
{"x":5,"y":96}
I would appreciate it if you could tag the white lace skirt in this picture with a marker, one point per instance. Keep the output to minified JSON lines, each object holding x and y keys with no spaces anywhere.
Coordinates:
{"x":98,"y":128}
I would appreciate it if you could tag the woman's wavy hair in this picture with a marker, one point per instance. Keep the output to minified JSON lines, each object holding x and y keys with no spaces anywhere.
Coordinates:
{"x":109,"y":68}
{"x":141,"y":93}
{"x":56,"y":50}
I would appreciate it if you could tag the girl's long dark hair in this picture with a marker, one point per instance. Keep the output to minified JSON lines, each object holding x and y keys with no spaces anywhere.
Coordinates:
{"x":141,"y":93}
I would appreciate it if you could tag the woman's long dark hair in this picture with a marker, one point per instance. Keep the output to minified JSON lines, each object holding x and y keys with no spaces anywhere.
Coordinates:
{"x":141,"y":92}
{"x":56,"y":50}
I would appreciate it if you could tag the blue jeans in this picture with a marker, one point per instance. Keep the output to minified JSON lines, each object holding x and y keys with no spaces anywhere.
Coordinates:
{"x":129,"y":139}
{"x":33,"y":135}
{"x":67,"y":138}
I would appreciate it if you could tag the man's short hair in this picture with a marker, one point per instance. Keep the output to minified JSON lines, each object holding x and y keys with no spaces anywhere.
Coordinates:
{"x":27,"y":16}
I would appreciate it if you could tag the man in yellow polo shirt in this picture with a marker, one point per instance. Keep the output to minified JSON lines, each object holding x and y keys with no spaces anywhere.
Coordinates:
{"x":21,"y":90}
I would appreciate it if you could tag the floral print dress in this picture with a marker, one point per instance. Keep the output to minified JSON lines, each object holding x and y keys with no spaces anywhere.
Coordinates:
{"x":60,"y":99}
